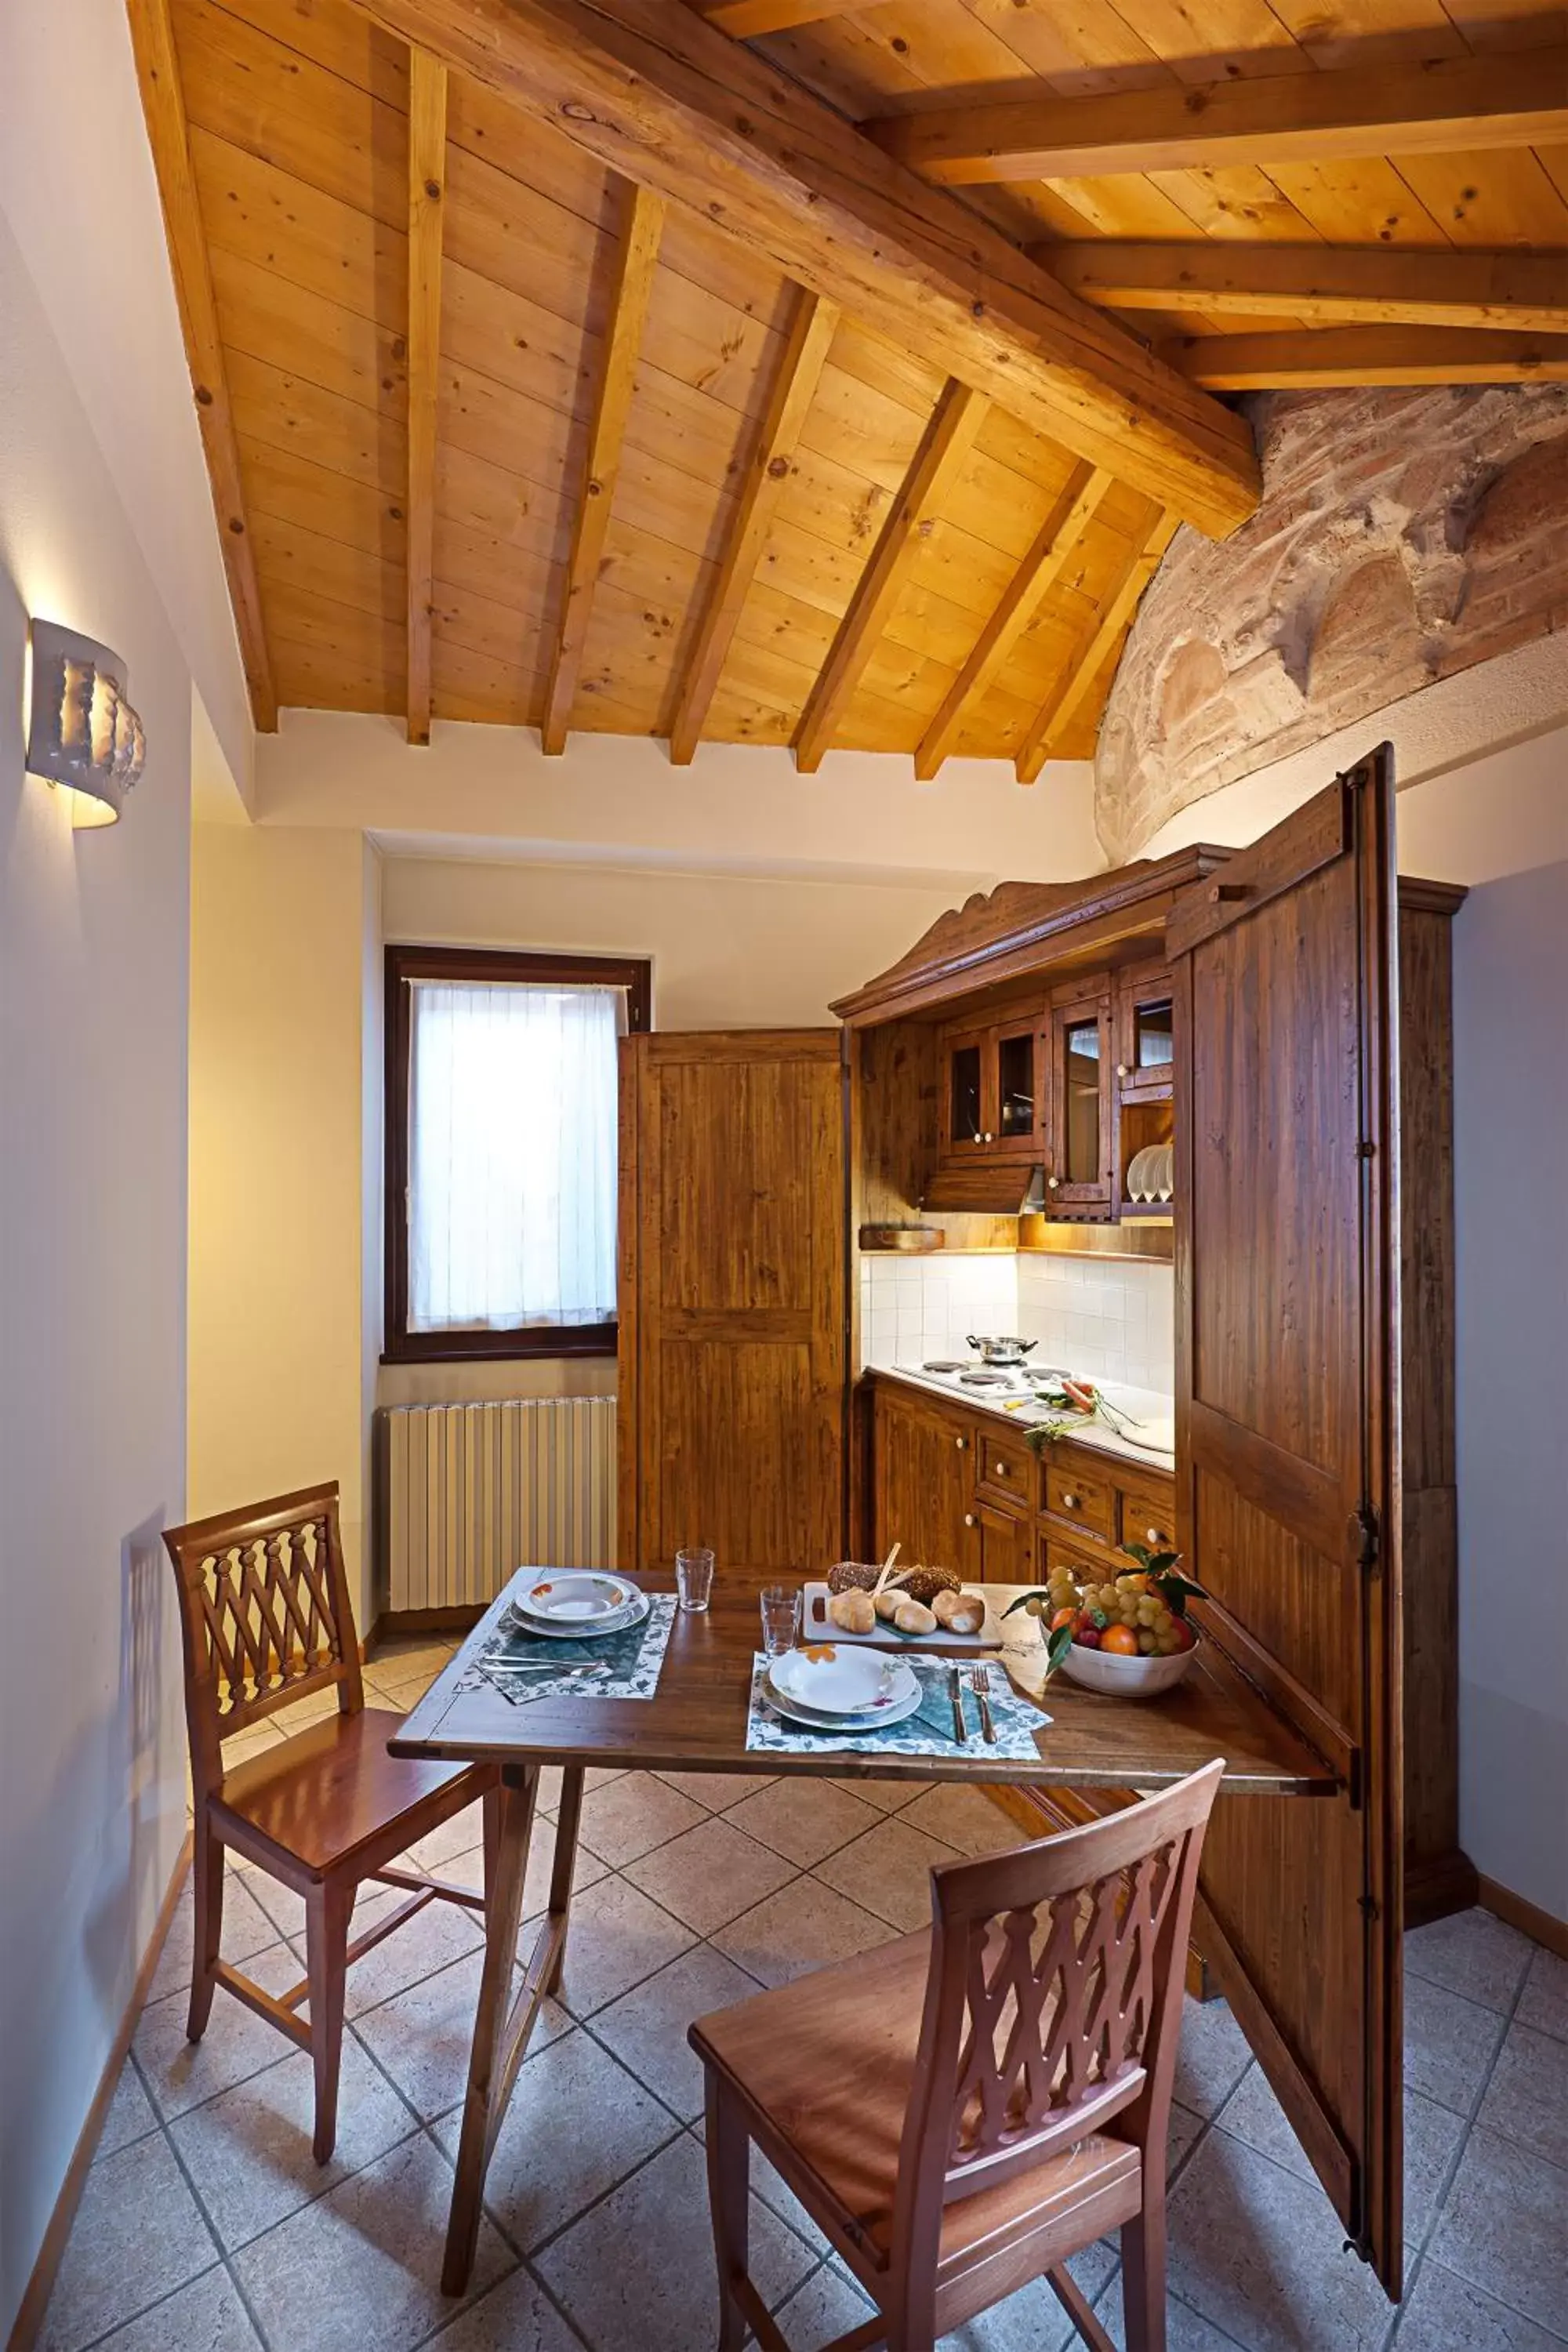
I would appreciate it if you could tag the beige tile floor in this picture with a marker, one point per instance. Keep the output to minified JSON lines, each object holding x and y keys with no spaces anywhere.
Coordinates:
{"x":205,"y":2227}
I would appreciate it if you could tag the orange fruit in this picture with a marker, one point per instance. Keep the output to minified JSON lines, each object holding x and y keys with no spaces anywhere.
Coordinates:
{"x":1122,"y":1640}
{"x":1064,"y":1617}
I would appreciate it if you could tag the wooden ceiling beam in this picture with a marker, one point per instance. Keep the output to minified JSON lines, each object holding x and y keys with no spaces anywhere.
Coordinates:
{"x":744,"y":19}
{"x":426,"y":185}
{"x":1142,"y":562}
{"x":162,"y":102}
{"x":1322,"y":358}
{"x":1026,"y":592}
{"x":811,"y":331}
{"x":1502,"y":98}
{"x":1322,"y":285}
{"x":668,"y":101}
{"x":637,"y":257}
{"x":945,"y":450}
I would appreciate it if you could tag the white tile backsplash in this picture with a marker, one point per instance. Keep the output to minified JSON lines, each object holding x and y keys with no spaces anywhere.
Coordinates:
{"x":1110,"y":1318}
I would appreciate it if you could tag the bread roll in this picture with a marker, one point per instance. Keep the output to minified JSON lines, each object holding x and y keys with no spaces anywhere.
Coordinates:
{"x":961,"y":1612}
{"x":886,"y":1602}
{"x":918,"y":1584}
{"x":852,"y":1612}
{"x":914,"y":1617}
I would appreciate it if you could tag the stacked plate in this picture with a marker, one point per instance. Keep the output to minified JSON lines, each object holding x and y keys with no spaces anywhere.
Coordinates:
{"x":842,"y":1690}
{"x":1151,"y":1173}
{"x":576,"y":1605}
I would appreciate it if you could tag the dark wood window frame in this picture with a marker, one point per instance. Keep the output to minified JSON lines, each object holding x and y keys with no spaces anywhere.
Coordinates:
{"x":478,"y":966}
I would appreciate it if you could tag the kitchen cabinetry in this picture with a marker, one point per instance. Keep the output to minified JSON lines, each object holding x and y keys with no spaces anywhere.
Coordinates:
{"x":1249,"y":1010}
{"x":967,"y":1489}
{"x":991,"y":1104}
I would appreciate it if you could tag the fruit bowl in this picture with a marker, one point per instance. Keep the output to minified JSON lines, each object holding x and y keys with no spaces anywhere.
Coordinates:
{"x":1104,"y":1670}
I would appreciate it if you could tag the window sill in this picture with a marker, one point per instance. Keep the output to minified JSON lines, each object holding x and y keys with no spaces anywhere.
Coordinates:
{"x":475,"y":1347}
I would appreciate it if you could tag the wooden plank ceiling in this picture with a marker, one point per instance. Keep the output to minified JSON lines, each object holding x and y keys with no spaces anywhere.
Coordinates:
{"x":499,"y":434}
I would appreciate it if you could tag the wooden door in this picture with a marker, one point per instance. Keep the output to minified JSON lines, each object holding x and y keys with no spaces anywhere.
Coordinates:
{"x":922,"y":1485}
{"x":733,"y":1339}
{"x":1288,"y":1454}
{"x":1006,"y":1545}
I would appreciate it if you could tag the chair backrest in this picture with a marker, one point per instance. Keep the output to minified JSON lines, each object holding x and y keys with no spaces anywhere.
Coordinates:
{"x":1053,"y":2001}
{"x":265,"y":1617}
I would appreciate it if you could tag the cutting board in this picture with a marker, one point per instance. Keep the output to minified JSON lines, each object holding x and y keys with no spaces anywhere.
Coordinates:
{"x":816,"y":1627}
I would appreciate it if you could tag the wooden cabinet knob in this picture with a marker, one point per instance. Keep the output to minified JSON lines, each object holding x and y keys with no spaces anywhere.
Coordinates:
{"x":989,"y":1137}
{"x":969,"y":1518}
{"x":1152,"y":1536}
{"x":961,"y":1443}
{"x":1069,"y":1502}
{"x":1001,"y":1469}
{"x":1052,"y":1181}
{"x":1121,"y":1069}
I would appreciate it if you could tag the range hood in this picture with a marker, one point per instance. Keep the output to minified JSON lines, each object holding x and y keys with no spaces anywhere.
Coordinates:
{"x":995,"y":1188}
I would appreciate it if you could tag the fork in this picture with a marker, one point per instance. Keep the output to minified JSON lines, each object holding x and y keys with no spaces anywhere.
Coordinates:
{"x":980,"y":1684}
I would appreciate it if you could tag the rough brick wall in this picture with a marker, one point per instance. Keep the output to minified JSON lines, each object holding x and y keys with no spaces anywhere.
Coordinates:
{"x":1403,"y":535}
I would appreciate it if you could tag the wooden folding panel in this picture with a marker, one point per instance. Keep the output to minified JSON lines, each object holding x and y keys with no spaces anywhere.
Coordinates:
{"x":1287,"y":1450}
{"x":734,"y":1353}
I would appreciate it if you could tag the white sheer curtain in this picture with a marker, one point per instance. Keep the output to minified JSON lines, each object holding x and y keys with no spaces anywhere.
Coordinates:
{"x":512,"y":1155}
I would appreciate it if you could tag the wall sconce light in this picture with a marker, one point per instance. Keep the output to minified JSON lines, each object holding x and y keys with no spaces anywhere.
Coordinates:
{"x":83,"y":733}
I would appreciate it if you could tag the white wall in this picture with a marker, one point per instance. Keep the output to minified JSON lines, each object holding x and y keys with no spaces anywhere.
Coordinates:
{"x":93,"y":961}
{"x":1112,"y":1318}
{"x":281,"y":1244}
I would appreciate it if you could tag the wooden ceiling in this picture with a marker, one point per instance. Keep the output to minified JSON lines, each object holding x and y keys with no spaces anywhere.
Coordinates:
{"x":580,"y":364}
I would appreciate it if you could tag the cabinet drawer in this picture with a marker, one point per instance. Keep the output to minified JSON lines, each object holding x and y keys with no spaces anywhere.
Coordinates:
{"x":1149,"y":1517}
{"x":1084,"y":1564}
{"x":1080,"y":1495}
{"x":1002,"y":1465}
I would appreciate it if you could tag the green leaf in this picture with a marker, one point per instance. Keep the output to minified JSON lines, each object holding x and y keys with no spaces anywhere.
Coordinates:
{"x":1057,"y":1648}
{"x":1177,"y":1591}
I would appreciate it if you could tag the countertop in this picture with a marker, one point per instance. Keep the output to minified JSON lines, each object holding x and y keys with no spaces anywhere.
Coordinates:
{"x":1146,"y":1405}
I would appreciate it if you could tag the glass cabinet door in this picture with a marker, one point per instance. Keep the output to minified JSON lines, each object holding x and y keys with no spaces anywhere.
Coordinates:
{"x":965,"y":1093}
{"x":1078,"y":1169}
{"x":1015,"y":1086}
{"x":1145,"y":1043}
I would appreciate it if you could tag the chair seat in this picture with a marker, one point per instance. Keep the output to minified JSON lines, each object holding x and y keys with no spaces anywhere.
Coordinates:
{"x":827,"y":2062}
{"x":331,"y":1792}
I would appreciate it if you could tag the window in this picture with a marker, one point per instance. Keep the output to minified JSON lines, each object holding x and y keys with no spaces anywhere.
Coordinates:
{"x":502,"y":1113}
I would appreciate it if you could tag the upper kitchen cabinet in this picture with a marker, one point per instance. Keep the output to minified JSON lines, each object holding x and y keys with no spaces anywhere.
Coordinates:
{"x":991,"y":1096}
{"x":1081,"y":1142}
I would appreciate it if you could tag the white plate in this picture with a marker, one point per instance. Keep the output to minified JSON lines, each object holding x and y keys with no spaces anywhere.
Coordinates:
{"x":848,"y":1726}
{"x":838,"y":1682}
{"x":574,"y":1597}
{"x":593,"y":1629}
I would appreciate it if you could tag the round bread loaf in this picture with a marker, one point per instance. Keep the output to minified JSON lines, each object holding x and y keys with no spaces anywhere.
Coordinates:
{"x":915,"y":1583}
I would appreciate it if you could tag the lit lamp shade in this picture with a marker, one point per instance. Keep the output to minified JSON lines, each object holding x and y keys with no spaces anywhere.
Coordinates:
{"x":83,"y":733}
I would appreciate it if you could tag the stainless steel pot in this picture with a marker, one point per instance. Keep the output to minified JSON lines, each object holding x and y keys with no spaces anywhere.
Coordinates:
{"x":1000,"y":1352}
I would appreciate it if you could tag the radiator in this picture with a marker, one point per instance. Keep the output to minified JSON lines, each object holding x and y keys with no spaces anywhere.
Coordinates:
{"x":469,"y":1492}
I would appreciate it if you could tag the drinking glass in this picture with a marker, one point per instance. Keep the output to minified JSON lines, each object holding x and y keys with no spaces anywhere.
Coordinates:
{"x":694,"y":1577}
{"x":781,"y":1618}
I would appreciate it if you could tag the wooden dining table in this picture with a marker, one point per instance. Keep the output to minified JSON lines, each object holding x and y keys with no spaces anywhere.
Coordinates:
{"x":696,"y":1722}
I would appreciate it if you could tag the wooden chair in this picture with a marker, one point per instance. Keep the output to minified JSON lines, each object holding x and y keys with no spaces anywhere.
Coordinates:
{"x":962,"y":2110}
{"x":265,"y":1620}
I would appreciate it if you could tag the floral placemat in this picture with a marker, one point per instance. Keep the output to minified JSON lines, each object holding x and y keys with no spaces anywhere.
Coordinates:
{"x":928,"y":1732}
{"x":526,"y":1666}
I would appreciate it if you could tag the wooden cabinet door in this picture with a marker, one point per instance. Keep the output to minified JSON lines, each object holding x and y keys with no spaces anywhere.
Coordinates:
{"x":1286,"y":1466}
{"x":734,"y":1339}
{"x":1007,"y":1546}
{"x":924,"y":1485}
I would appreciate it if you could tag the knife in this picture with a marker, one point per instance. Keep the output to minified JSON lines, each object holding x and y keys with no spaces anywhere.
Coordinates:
{"x":955,"y":1690}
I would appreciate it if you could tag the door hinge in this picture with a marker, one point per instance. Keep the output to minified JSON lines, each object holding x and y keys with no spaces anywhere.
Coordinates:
{"x":1366,"y":1541}
{"x":1366,"y":1150}
{"x":1367,"y":1905}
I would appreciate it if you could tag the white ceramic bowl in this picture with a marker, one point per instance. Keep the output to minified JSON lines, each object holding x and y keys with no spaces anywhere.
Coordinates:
{"x":1103,"y":1670}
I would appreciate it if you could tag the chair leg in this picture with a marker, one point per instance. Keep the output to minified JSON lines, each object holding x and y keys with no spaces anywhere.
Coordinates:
{"x":728,"y":2199}
{"x":327,"y":1912}
{"x":1144,"y":2275}
{"x":206,"y":1897}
